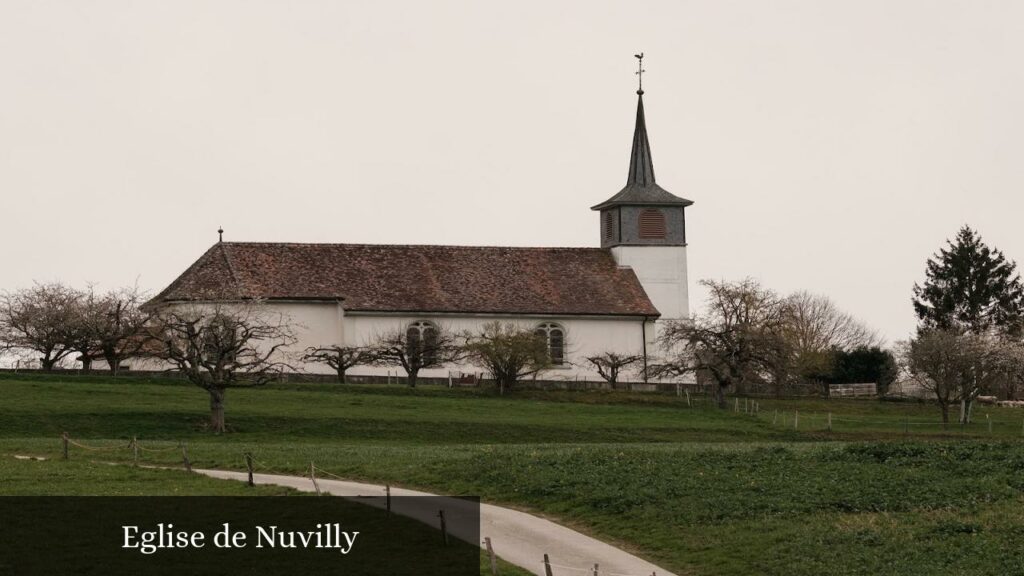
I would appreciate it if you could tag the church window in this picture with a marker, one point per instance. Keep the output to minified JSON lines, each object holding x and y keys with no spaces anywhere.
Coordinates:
{"x":652,"y":223}
{"x":609,"y":233}
{"x":553,"y":336}
{"x":421,"y":339}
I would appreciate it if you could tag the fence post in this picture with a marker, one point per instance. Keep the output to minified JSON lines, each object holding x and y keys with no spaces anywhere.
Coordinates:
{"x":595,"y":570}
{"x":775,"y":416}
{"x":989,"y":420}
{"x":829,"y":421}
{"x":184,"y":457}
{"x":796,"y":419}
{"x":248,"y":465}
{"x":444,"y":527}
{"x":64,"y":441}
{"x":736,"y":406}
{"x":906,"y":425}
{"x":135,"y":449}
{"x":688,"y":405}
{"x":312,"y":477}
{"x":547,"y":566}
{"x":490,"y":555}
{"x":387,"y":498}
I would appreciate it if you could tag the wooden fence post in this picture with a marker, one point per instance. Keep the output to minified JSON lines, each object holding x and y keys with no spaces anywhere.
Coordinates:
{"x":547,"y":566}
{"x":444,"y":527}
{"x":989,"y":420}
{"x":312,"y":477}
{"x":688,"y":405}
{"x":796,"y":419}
{"x":775,"y":416}
{"x":248,"y":465}
{"x":736,"y":406}
{"x":829,"y":421}
{"x":387,"y":497}
{"x":64,"y":440}
{"x":595,"y":570}
{"x":184,"y":457}
{"x":135,"y":449}
{"x":490,"y":555}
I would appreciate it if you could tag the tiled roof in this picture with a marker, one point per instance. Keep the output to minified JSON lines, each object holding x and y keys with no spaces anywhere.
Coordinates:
{"x":398,"y":278}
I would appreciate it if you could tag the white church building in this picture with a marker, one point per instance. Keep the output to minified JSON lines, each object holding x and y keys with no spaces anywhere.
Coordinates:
{"x":585,"y":301}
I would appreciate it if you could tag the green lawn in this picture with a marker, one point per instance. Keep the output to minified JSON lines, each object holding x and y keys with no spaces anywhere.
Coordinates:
{"x":697,"y":489}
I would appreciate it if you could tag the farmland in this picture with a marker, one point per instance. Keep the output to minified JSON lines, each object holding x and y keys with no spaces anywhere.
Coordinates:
{"x":888,"y":490}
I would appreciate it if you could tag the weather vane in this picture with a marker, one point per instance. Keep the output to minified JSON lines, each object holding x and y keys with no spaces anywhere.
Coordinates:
{"x":220,"y":233}
{"x":640,"y":71}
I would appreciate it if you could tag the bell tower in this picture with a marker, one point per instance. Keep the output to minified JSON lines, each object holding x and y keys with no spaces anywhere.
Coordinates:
{"x":644,"y":226}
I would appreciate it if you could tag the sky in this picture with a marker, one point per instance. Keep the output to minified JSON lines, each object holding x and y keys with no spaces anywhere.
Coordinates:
{"x":828,"y":146}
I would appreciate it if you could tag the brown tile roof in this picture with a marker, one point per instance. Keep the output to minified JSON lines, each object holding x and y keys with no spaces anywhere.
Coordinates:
{"x":471,"y":279}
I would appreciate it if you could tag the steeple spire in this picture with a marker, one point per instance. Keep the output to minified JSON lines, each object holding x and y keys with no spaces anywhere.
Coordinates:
{"x":641,"y":189}
{"x":641,"y":167}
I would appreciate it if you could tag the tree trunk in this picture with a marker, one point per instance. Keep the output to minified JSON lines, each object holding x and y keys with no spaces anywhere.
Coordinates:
{"x":412,"y":378}
{"x":720,"y":395}
{"x":86,"y":364}
{"x":945,"y":412}
{"x":341,"y":376}
{"x":47,"y":363}
{"x":968,"y":408}
{"x":217,"y":410}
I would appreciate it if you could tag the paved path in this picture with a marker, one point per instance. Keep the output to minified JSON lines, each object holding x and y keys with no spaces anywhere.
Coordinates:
{"x":517,"y":537}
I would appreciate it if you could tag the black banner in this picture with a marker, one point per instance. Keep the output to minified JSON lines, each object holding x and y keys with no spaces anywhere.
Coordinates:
{"x":234,"y":535}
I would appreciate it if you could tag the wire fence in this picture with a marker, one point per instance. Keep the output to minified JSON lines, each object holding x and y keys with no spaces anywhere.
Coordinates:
{"x":254,"y":467}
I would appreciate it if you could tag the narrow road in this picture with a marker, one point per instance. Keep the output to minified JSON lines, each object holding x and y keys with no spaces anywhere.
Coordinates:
{"x":517,"y":537}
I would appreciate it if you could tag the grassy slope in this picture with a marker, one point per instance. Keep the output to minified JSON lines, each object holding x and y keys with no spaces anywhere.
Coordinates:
{"x":636,"y":469}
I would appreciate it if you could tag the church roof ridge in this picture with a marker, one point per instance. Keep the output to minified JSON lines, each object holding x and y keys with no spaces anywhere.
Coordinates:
{"x":421,"y":279}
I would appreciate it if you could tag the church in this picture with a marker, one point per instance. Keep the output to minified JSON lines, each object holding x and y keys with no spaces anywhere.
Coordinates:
{"x":582,"y":301}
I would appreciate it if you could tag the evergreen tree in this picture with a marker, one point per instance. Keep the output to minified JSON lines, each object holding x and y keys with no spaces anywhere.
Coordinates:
{"x":970,"y":287}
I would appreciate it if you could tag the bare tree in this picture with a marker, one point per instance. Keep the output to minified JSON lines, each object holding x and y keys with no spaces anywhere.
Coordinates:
{"x":816,"y":324}
{"x":41,"y":320}
{"x":120,"y":328}
{"x":737,"y":340}
{"x":610,"y":364}
{"x":957,"y":368}
{"x":509,"y":352}
{"x":419,"y":346}
{"x":221,"y":346}
{"x":340,"y":358}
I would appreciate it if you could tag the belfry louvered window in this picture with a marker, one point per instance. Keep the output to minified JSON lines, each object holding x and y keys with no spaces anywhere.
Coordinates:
{"x":609,"y":232}
{"x":652,"y":223}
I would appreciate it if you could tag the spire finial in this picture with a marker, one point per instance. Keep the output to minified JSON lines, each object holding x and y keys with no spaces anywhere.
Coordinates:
{"x":220,"y":234}
{"x":640,"y":72}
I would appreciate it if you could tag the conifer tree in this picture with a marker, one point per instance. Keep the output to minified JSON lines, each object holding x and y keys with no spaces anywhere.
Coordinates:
{"x":970,"y":287}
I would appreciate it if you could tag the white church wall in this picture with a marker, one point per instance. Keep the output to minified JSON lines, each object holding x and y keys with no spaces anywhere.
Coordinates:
{"x":662,"y":272}
{"x":583,"y":337}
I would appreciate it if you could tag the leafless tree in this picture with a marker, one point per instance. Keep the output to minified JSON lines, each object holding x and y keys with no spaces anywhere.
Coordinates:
{"x":40,"y":319}
{"x":957,"y":367}
{"x":508,"y":351}
{"x":221,"y":346}
{"x":120,"y":327}
{"x":816,"y":329}
{"x":816,"y":324}
{"x":414,"y":348}
{"x":610,"y":364}
{"x":340,"y":358}
{"x":737,"y":340}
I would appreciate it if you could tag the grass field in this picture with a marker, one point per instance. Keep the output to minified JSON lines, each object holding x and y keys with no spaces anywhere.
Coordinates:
{"x":699,"y":490}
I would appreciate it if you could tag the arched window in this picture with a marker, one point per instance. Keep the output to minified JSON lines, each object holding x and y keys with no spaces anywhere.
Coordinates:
{"x":421,"y":339}
{"x":554,"y":337}
{"x":609,"y":233}
{"x":652,"y":223}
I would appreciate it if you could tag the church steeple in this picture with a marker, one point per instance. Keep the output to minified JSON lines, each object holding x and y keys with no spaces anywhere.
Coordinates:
{"x":641,"y":167}
{"x":642,"y":213}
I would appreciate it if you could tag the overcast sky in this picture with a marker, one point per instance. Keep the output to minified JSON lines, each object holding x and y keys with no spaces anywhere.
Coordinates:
{"x":831,"y":146}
